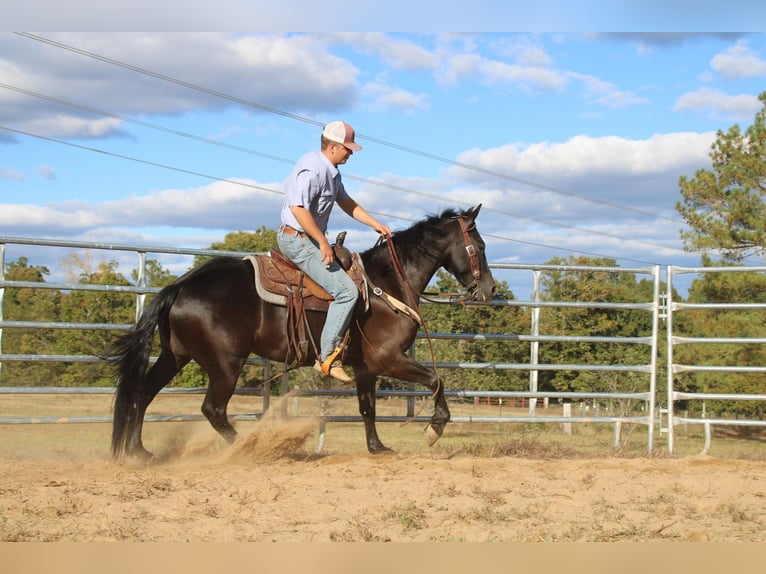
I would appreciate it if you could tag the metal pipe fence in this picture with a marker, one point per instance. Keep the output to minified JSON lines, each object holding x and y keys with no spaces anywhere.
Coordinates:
{"x":673,"y":368}
{"x":536,"y":306}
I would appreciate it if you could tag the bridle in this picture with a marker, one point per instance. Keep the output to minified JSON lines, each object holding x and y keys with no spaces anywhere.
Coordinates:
{"x":473,"y":258}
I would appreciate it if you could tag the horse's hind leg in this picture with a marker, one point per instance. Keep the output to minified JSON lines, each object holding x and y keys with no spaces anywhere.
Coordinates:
{"x":159,"y":375}
{"x":223,"y":381}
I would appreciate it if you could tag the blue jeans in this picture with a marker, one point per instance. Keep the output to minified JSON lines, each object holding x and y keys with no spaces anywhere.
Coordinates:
{"x":304,"y":252}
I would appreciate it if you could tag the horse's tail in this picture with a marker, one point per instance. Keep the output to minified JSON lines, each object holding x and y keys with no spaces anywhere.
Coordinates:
{"x":130,"y":355}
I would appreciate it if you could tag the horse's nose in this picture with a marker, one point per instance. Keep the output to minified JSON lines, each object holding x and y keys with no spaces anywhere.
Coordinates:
{"x":488,"y":295}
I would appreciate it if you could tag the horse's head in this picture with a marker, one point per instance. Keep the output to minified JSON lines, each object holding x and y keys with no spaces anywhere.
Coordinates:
{"x":465,"y":258}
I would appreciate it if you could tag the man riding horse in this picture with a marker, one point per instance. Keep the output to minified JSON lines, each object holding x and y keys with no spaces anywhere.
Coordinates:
{"x":312,"y":188}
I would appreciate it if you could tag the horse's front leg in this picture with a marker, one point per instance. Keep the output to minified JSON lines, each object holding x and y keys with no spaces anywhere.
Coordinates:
{"x":365,"y":391}
{"x":413,"y":372}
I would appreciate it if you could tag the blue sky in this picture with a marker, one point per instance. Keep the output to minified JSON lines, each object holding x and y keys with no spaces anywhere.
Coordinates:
{"x":573,"y":142}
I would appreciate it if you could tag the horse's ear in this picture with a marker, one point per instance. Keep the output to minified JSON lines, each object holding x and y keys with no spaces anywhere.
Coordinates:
{"x":474,"y":212}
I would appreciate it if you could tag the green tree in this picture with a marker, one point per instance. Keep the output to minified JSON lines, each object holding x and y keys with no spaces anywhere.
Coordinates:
{"x":742,"y":287}
{"x":155,"y":274}
{"x":724,"y":206}
{"x":29,"y":304}
{"x":455,"y":318}
{"x":96,"y":307}
{"x":593,"y":285}
{"x":244,"y":241}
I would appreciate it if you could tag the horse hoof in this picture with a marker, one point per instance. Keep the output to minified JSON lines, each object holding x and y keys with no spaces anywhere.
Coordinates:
{"x":139,"y":456}
{"x":433,"y":434}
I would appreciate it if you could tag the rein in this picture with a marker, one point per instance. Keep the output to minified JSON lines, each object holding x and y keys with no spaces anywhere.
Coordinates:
{"x":402,"y":276}
{"x":415,"y":301}
{"x":473,"y":259}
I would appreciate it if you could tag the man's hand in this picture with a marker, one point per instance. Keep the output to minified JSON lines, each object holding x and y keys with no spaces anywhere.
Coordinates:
{"x":328,"y":256}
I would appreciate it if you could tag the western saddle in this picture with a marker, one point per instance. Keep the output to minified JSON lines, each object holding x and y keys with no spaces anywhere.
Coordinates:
{"x":280,"y":282}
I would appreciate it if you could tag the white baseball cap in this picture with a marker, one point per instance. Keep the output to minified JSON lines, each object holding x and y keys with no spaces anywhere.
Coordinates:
{"x":342,"y":133}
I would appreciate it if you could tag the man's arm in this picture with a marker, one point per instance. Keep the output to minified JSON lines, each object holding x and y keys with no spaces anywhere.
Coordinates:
{"x":353,"y":209}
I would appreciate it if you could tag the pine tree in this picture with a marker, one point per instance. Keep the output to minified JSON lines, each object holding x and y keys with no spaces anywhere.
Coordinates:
{"x":724,"y":206}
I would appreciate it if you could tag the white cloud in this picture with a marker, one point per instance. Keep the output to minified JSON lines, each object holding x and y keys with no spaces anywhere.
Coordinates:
{"x":269,"y":70}
{"x":718,"y":105}
{"x":495,"y":72}
{"x":385,"y":97}
{"x":737,"y":62}
{"x":11,"y":174}
{"x":531,"y":69}
{"x":395,"y":52}
{"x":220,"y":205}
{"x":67,"y":125}
{"x":46,"y":171}
{"x":606,"y":94}
{"x":583,"y":155}
{"x":531,"y":55}
{"x":48,"y":219}
{"x":585,"y":180}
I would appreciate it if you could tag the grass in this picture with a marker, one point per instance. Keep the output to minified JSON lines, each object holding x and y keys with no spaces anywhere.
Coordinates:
{"x":409,"y":515}
{"x":525,"y":440}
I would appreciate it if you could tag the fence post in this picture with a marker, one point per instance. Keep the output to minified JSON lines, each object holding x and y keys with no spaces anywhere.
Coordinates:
{"x":567,"y":413}
{"x":669,"y":353}
{"x":285,"y":391}
{"x":656,"y":307}
{"x":534,"y":345}
{"x":141,"y":282}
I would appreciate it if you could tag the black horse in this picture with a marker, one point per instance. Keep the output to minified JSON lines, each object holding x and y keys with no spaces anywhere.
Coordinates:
{"x":213,"y":315}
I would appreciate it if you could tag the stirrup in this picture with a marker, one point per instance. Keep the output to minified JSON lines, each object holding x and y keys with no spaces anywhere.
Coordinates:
{"x":335,"y":371}
{"x":332,"y":367}
{"x":328,"y":362}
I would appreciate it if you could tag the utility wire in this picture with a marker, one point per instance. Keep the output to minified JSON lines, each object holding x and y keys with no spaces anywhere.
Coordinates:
{"x":139,"y":160}
{"x":304,"y":119}
{"x":280,"y":192}
{"x":141,"y":122}
{"x":289,"y":161}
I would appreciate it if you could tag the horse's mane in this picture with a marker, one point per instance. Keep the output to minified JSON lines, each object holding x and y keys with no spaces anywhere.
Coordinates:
{"x":412,"y":243}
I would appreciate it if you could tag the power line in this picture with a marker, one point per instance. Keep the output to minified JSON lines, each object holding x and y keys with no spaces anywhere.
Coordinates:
{"x":285,"y":160}
{"x":280,"y":192}
{"x":304,"y":119}
{"x":139,"y":160}
{"x":150,"y":125}
{"x":168,"y":78}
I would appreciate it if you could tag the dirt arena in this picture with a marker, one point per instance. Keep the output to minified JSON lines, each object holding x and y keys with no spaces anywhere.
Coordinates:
{"x":57,"y":483}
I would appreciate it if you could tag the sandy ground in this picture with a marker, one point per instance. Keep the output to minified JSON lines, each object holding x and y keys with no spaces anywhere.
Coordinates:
{"x":270,"y":487}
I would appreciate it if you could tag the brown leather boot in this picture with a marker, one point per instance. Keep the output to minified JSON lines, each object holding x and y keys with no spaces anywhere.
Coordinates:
{"x":333,"y":367}
{"x":334,"y":370}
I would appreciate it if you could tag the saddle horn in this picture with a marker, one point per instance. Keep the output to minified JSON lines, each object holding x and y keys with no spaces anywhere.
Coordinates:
{"x":342,"y":254}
